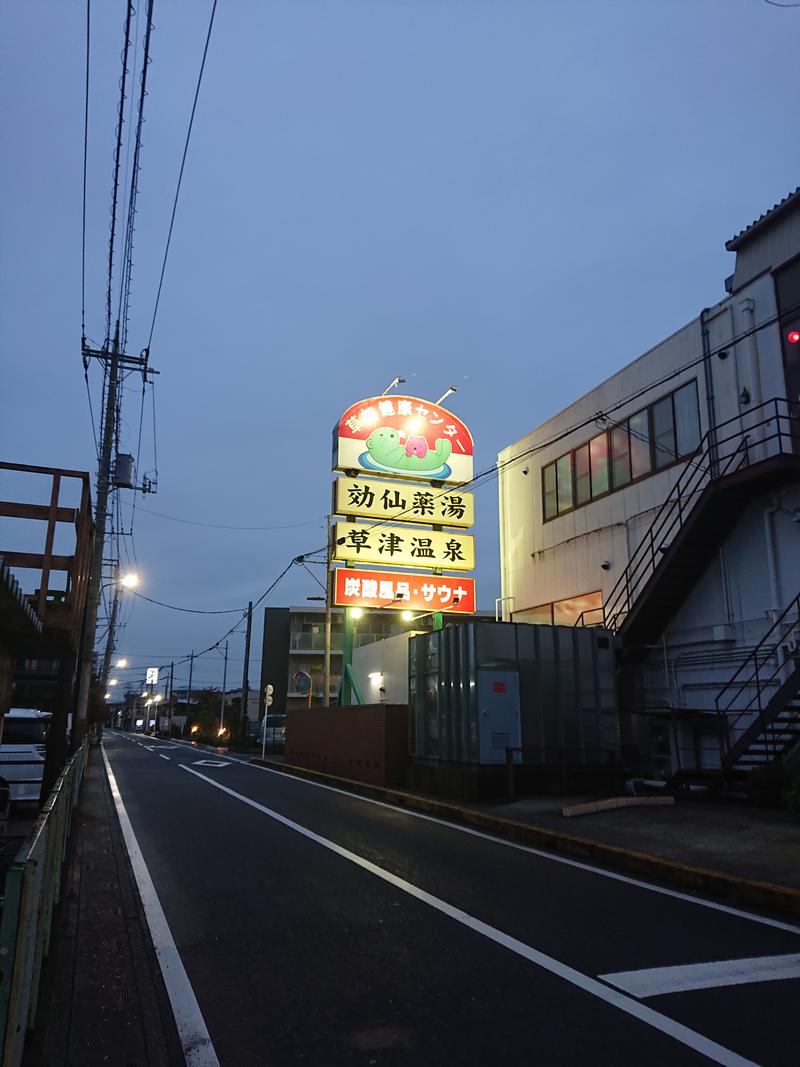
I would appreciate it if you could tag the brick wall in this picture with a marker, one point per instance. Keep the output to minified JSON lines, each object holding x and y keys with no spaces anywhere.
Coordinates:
{"x":367,"y":744}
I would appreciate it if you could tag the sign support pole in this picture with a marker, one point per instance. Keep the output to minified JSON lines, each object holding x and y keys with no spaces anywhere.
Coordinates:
{"x":346,"y":689}
{"x":326,"y":670}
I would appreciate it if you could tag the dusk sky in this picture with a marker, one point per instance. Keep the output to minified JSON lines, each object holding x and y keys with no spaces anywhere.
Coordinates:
{"x":516,"y":198}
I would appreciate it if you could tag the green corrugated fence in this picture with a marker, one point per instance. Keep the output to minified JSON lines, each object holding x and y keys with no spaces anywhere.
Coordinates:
{"x":32,"y":889}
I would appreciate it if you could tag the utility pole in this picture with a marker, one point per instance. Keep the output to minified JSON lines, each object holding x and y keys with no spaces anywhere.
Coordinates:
{"x":169,"y":713}
{"x":326,"y":668}
{"x":245,"y":679}
{"x":96,"y":566}
{"x":109,"y":652}
{"x":189,"y":690}
{"x":222,"y":701}
{"x":113,"y":360}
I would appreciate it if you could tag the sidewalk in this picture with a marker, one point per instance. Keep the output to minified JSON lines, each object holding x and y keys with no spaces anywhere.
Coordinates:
{"x":745,"y":842}
{"x":102,"y":999}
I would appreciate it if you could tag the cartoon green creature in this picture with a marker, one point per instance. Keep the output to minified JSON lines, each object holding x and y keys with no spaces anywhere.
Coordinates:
{"x":385,"y":448}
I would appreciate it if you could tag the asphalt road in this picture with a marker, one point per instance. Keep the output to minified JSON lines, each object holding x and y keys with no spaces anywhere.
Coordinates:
{"x":320,"y":928}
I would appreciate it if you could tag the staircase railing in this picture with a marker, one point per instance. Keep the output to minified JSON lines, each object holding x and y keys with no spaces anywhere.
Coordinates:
{"x":760,"y":433}
{"x":747,"y":693}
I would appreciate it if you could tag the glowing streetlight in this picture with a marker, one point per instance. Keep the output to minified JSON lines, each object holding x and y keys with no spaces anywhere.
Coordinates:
{"x":129,"y":580}
{"x":356,"y":612}
{"x":157,"y":697}
{"x":108,"y":696}
{"x":122,"y":664}
{"x":145,"y":694}
{"x":407,"y":616}
{"x":113,"y":681}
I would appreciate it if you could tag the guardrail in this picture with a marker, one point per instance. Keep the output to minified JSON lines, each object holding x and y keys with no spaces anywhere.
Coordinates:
{"x":32,"y":889}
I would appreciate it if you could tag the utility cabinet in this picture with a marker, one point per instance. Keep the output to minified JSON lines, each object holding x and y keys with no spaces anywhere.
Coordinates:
{"x":480,"y":688}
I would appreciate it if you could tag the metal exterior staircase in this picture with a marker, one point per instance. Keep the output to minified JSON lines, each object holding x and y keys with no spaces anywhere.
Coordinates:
{"x":715,"y":484}
{"x":759,"y":707}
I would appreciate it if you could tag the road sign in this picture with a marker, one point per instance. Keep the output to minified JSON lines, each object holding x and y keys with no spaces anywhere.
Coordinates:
{"x":302,"y":682}
{"x":152,"y":675}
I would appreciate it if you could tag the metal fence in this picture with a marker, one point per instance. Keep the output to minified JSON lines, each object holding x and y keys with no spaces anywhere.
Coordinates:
{"x":32,"y":889}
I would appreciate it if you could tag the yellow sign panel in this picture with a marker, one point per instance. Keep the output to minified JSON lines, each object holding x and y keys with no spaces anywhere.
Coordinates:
{"x":397,"y":546}
{"x":375,"y":498}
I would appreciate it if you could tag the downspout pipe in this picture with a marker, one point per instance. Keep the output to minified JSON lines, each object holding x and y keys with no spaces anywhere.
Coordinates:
{"x":709,"y":382}
{"x":772,"y":567}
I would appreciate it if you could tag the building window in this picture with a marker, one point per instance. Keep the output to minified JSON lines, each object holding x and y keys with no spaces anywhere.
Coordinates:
{"x":587,"y":608}
{"x":687,"y":419}
{"x":620,"y":456}
{"x":564,"y":482}
{"x":598,"y":448}
{"x":550,"y":495}
{"x":639,"y":431}
{"x":649,"y":441}
{"x":664,"y":451}
{"x":583,"y":483}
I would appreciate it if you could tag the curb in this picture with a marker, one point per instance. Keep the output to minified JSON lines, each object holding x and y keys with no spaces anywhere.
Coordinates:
{"x":782,"y":900}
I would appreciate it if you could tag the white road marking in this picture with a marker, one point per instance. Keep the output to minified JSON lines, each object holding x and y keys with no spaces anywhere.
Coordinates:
{"x":655,"y":981}
{"x":195,"y":1041}
{"x":626,"y":879}
{"x":398,"y":809}
{"x":209,"y":763}
{"x":706,"y":1047}
{"x":161,"y":754}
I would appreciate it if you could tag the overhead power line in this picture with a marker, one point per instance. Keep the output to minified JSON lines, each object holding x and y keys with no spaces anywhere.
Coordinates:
{"x":127,"y":253}
{"x":117,"y":155}
{"x":180,"y":173}
{"x":221,"y":526}
{"x":489,"y":473}
{"x":190,"y":611}
{"x":85,"y":165}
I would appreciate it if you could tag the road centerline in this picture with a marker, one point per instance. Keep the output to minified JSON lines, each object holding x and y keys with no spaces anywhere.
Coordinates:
{"x":683,"y":1034}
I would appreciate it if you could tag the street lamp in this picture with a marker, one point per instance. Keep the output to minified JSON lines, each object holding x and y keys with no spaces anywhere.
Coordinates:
{"x":113,"y":681}
{"x":129,"y":580}
{"x":122,"y":664}
{"x":108,"y":695}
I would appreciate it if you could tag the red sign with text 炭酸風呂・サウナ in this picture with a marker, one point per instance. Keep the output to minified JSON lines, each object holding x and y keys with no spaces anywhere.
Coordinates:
{"x":406,"y":592}
{"x":403,"y":437}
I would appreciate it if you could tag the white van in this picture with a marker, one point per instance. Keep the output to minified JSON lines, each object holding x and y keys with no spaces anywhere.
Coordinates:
{"x":22,"y":749}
